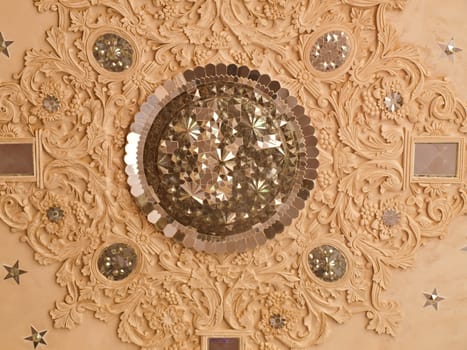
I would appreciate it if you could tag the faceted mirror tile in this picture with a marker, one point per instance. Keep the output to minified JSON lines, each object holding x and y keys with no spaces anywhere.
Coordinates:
{"x":225,"y":161}
{"x":393,"y":102}
{"x":4,"y":45}
{"x":36,"y":337}
{"x":51,"y":103}
{"x":16,"y":159}
{"x":224,"y":344}
{"x":117,"y":261}
{"x":113,"y":53}
{"x":14,"y":272}
{"x":55,"y":214}
{"x":277,"y":321}
{"x":391,"y":217}
{"x":327,"y":263}
{"x":450,"y":49}
{"x":435,"y":159}
{"x":330,"y":51}
{"x":433,"y":299}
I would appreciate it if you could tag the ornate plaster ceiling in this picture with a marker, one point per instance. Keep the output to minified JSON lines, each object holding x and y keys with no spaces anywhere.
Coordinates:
{"x":368,"y":113}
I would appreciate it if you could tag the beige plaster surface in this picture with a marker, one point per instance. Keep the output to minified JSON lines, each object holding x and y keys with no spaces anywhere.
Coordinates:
{"x":426,"y":23}
{"x":28,"y":304}
{"x":440,"y":264}
{"x":21,"y":23}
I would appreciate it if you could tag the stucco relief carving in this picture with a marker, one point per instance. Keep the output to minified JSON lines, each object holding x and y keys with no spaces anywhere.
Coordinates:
{"x":176,"y":291}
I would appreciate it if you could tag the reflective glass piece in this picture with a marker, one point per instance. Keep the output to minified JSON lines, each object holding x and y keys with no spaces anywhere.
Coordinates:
{"x":393,"y":102}
{"x":330,"y":51}
{"x":55,"y":214}
{"x":391,"y":217}
{"x":277,"y":321}
{"x":51,"y":104}
{"x":117,"y":261}
{"x":224,"y":344}
{"x":113,"y":52}
{"x":226,"y":159}
{"x":327,"y":263}
{"x":436,"y":159}
{"x":17,"y":159}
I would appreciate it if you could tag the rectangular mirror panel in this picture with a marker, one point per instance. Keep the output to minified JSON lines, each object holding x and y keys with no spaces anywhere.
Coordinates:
{"x":16,"y":159}
{"x":224,"y":344}
{"x":435,"y":159}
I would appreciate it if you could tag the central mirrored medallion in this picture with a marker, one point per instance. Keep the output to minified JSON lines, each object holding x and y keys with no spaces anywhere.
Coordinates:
{"x":221,"y":158}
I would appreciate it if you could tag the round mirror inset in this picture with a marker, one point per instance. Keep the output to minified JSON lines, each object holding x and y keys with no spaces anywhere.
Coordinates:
{"x":117,"y":261}
{"x":327,"y":263}
{"x":393,"y":102}
{"x":330,"y":51}
{"x":55,"y":214}
{"x":277,"y":321}
{"x":222,"y":160}
{"x":51,"y":103}
{"x":225,"y":161}
{"x":113,"y":52}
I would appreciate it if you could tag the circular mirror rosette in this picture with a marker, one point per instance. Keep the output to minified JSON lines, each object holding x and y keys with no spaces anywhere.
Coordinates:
{"x":221,"y":158}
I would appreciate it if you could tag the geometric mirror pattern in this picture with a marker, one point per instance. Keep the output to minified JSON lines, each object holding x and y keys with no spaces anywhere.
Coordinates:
{"x":113,"y":52}
{"x":221,"y":159}
{"x":83,"y":96}
{"x":327,"y":263}
{"x":330,"y":51}
{"x":117,"y":261}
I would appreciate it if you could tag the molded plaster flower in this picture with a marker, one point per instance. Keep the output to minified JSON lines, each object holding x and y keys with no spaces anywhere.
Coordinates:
{"x":382,"y":219}
{"x":390,"y":99}
{"x":56,"y":215}
{"x":276,"y":316}
{"x":50,"y":104}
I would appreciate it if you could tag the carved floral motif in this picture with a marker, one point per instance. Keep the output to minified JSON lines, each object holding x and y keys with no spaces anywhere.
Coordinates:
{"x":177,"y":291}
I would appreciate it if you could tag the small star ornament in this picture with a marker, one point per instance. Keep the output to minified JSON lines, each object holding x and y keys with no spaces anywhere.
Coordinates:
{"x":36,"y":337}
{"x":433,"y":299}
{"x":4,"y":45}
{"x":14,"y":271}
{"x":450,"y":49}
